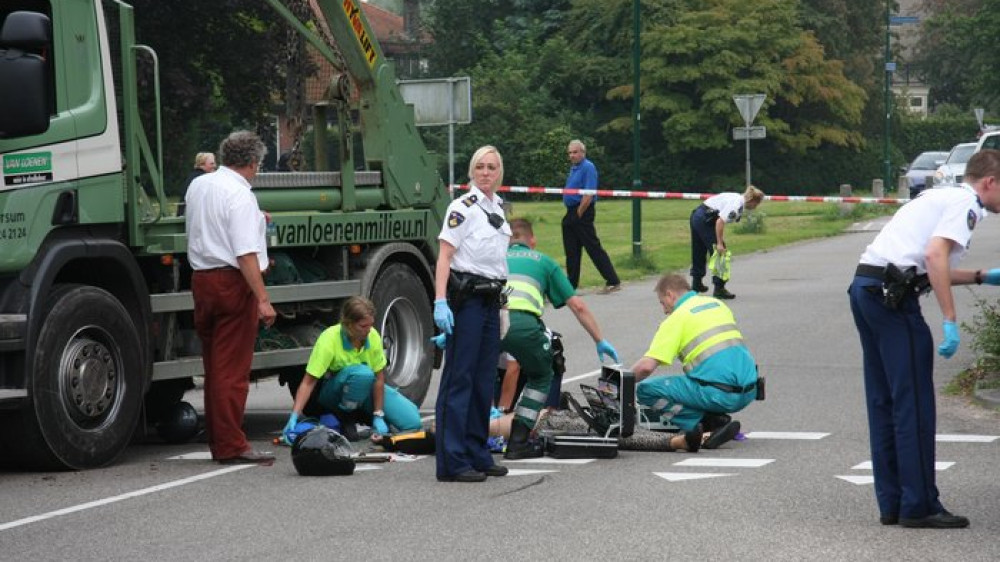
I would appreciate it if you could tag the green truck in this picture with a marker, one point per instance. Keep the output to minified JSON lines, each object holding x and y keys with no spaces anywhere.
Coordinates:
{"x":95,"y":303}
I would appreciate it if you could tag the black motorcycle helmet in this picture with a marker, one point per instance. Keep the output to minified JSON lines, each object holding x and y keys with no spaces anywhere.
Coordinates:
{"x":322,"y":451}
{"x":178,"y":424}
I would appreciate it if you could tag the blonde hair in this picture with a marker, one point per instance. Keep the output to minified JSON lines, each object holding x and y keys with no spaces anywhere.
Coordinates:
{"x":753,"y":195}
{"x":479,"y":154}
{"x":201,"y":158}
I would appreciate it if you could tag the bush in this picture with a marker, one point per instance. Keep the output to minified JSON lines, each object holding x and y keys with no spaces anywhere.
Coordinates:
{"x":751,"y":223}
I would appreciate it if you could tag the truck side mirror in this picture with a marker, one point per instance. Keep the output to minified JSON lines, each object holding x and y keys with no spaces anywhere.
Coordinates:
{"x":23,"y":77}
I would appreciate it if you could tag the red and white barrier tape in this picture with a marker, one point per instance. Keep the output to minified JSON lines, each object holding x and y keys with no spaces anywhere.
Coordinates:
{"x":676,"y":195}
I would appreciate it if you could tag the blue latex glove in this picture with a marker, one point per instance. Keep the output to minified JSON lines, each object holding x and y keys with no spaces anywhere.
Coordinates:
{"x":380,"y":426}
{"x":440,"y":340}
{"x":950,"y":344}
{"x":293,"y":420}
{"x":605,"y":348}
{"x":443,"y":316}
{"x":992,"y":277}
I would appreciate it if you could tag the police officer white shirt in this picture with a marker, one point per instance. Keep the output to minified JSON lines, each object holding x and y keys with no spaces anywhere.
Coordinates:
{"x":951,"y":213}
{"x":480,"y":248}
{"x":223,"y":221}
{"x":729,"y":206}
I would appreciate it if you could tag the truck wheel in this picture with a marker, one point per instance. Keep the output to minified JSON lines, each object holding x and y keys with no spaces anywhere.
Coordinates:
{"x":403,"y":317}
{"x":85,"y":393}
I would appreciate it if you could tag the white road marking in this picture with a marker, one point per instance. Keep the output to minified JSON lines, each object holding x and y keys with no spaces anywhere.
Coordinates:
{"x":198,"y":456}
{"x":806,"y":435}
{"x":938,"y":465}
{"x":550,"y":460}
{"x":366,"y":466}
{"x":859,"y":480}
{"x":745,"y":463}
{"x":678,"y":476}
{"x":952,"y":438}
{"x":125,"y":496}
{"x":583,"y":376}
{"x":526,"y":471}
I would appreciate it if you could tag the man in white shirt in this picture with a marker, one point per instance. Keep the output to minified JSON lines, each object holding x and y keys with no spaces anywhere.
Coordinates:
{"x":228,"y":252}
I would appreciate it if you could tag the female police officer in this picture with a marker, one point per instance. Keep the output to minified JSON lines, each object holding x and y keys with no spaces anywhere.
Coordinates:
{"x":708,"y":223}
{"x":469,"y":277}
{"x":915,"y":251}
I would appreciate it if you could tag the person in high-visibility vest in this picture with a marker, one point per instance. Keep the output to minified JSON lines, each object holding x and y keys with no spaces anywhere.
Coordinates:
{"x":708,"y":224}
{"x":535,"y":277}
{"x":720,"y":375}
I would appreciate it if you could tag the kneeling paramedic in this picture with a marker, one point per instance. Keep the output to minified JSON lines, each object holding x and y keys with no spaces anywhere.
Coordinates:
{"x":347,"y":370}
{"x":720,"y":373}
{"x":533,"y":278}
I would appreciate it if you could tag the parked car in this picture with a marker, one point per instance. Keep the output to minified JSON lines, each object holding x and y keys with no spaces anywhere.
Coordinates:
{"x":923,"y":166}
{"x":951,"y":172}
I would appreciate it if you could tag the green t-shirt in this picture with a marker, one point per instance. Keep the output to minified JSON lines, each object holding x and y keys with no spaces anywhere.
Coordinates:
{"x":333,"y":351}
{"x":522,"y":260}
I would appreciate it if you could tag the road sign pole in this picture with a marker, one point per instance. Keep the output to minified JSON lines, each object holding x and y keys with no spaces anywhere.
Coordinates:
{"x":748,"y":158}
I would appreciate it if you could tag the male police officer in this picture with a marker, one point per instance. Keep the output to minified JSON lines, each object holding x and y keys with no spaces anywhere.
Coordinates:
{"x":533,"y":278}
{"x":720,"y":374}
{"x":914,"y":252}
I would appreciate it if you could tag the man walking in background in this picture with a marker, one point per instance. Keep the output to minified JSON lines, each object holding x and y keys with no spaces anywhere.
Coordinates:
{"x":578,"y":224}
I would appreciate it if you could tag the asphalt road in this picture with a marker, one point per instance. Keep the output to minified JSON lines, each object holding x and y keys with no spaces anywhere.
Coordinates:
{"x":795,"y":489}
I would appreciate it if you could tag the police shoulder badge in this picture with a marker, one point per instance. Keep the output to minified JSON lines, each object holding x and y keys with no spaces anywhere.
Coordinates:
{"x":455,"y":219}
{"x":970,"y":219}
{"x":470,"y":200}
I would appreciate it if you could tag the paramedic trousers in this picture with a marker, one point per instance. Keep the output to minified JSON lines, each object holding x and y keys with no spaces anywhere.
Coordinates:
{"x":527,"y":342}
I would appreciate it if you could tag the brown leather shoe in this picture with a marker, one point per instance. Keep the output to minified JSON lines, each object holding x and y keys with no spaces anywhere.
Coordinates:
{"x":250,"y":457}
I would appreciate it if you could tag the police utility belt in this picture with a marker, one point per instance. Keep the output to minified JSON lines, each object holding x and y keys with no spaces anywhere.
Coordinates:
{"x":897,"y":283}
{"x":462,"y":286}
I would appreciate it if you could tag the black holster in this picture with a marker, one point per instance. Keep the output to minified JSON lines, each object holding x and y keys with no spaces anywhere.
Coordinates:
{"x":899,"y":284}
{"x":462,"y":286}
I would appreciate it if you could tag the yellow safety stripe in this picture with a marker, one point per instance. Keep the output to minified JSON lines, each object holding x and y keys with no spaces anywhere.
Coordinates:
{"x":705,"y":336}
{"x":710,"y":351}
{"x":525,"y":294}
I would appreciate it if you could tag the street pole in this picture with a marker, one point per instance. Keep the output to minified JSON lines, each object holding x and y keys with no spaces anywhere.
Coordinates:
{"x":636,"y":182}
{"x":748,"y":155}
{"x":887,"y":171}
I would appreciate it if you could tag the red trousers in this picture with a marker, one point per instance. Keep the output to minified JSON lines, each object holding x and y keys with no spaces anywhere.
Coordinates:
{"x":225,"y":316}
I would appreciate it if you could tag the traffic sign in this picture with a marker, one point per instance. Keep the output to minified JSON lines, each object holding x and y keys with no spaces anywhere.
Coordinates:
{"x":749,"y":105}
{"x":743,"y":133}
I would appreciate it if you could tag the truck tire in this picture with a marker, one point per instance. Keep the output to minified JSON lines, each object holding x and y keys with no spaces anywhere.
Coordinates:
{"x":86,"y":388}
{"x":404,"y":319}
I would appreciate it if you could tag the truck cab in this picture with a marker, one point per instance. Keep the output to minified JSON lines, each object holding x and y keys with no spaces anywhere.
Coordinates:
{"x":96,"y":335}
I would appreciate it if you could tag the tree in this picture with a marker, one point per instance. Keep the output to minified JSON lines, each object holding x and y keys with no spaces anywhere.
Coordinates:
{"x":718,"y":48}
{"x":221,"y":63}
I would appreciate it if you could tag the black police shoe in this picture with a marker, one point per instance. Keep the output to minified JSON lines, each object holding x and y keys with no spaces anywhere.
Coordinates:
{"x":496,"y":470}
{"x":722,"y":293}
{"x":699,"y":286}
{"x":467,"y":476}
{"x":943,"y":520}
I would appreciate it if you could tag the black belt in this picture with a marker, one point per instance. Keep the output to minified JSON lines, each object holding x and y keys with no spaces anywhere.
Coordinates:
{"x":870,"y":271}
{"x":727,"y":387}
{"x":215,"y":269}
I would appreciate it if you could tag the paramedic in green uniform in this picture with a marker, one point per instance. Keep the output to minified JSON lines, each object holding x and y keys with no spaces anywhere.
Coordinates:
{"x":720,"y":375}
{"x":347,"y":365}
{"x":534,"y":277}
